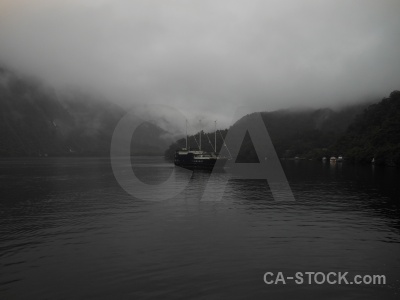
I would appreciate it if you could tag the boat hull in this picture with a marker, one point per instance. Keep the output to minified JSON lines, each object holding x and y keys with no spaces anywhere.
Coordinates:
{"x":192,"y":161}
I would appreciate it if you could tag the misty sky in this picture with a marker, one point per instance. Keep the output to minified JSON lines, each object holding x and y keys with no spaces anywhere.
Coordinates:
{"x":206,"y":57}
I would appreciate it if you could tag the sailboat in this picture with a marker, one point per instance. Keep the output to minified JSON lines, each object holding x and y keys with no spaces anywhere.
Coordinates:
{"x":196,"y":158}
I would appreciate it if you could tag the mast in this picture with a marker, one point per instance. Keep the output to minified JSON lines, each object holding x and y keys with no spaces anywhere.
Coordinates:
{"x":215,"y":137}
{"x":200,"y":135}
{"x":186,"y":136}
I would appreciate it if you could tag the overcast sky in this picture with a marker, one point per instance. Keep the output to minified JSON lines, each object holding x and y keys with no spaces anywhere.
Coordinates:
{"x":206,"y":57}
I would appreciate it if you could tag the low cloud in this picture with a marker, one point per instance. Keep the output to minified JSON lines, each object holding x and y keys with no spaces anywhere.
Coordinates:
{"x":208,"y":57}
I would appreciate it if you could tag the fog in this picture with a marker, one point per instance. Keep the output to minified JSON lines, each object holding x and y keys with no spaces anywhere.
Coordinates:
{"x":206,"y":57}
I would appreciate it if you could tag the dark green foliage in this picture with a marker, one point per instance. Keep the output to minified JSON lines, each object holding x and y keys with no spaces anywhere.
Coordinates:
{"x":308,"y":134}
{"x":359,"y":133}
{"x":294,"y":133}
{"x":247,"y":152}
{"x":36,"y":121}
{"x":375,"y":134}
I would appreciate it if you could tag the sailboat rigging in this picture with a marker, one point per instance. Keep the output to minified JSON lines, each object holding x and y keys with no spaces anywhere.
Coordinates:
{"x":197,"y":158}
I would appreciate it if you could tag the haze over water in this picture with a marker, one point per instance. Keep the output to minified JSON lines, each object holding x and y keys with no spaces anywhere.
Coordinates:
{"x":69,"y":231}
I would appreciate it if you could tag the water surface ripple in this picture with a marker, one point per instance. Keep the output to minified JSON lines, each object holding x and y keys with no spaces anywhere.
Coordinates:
{"x":68,"y":231}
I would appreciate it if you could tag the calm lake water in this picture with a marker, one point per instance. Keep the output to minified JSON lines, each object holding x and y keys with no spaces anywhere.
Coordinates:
{"x":69,"y":231}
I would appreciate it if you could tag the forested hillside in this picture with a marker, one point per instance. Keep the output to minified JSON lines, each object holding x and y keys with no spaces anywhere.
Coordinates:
{"x":374,"y":134}
{"x":359,"y":132}
{"x":38,"y":121}
{"x":307,"y":133}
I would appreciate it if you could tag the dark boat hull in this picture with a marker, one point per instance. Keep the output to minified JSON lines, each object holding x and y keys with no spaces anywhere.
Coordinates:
{"x":191,"y":162}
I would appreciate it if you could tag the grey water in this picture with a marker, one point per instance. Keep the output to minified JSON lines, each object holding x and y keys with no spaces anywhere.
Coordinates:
{"x":69,"y":231}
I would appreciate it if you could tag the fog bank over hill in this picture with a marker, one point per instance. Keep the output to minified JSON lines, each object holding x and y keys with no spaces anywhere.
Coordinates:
{"x":36,"y":120}
{"x":206,"y":57}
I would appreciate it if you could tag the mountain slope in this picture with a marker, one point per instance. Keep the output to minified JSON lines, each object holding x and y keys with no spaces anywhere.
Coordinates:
{"x":37,"y":121}
{"x":375,"y":133}
{"x":307,"y":133}
{"x":294,"y":133}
